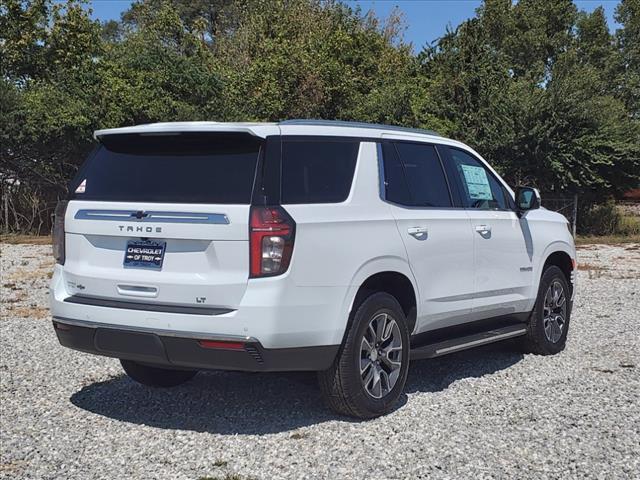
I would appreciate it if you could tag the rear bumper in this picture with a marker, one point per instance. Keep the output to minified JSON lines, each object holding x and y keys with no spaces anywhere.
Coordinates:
{"x":174,"y":349}
{"x":274,"y":311}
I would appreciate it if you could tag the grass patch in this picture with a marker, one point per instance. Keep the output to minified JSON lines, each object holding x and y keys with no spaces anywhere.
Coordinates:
{"x":606,"y":239}
{"x":26,"y":239}
{"x":220,"y":463}
{"x":590,"y":267}
{"x":629,"y":225}
{"x":28,"y":312}
{"x":44,"y":271}
{"x":12,"y":467}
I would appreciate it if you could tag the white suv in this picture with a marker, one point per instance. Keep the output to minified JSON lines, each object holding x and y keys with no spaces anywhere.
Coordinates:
{"x":337,"y":247}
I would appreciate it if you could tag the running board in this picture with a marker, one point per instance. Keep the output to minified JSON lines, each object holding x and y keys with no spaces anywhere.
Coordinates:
{"x":457,"y":344}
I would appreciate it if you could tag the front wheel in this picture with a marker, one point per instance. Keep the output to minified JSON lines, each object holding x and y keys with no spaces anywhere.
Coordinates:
{"x":156,"y":376}
{"x":369,"y":374}
{"x":549,"y":323}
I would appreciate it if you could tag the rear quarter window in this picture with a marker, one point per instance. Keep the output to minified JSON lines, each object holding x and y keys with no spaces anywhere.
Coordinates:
{"x":317,"y":170}
{"x":183,"y":168}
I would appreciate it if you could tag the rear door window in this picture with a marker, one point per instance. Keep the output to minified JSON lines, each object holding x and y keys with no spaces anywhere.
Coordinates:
{"x":317,"y":170}
{"x":181,"y":168}
{"x":423,"y":175}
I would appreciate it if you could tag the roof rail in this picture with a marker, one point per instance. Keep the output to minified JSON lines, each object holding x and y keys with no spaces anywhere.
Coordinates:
{"x":344,"y":123}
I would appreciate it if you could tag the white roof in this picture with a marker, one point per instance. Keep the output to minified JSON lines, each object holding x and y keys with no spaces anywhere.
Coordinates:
{"x":288,"y":127}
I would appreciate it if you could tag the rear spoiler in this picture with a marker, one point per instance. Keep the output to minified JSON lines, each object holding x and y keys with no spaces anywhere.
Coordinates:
{"x":261,"y":130}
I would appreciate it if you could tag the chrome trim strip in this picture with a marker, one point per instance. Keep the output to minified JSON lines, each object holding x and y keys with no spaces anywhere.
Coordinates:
{"x":157,"y":331}
{"x":471,"y":296}
{"x":164,"y":217}
{"x":464,"y":346}
{"x":381,"y":177}
{"x":138,"y":288}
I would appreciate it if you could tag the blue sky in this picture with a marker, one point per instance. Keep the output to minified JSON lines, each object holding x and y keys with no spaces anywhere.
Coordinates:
{"x":426,"y":19}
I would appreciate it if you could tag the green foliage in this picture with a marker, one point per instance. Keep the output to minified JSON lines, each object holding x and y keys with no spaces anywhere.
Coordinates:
{"x":607,"y":219}
{"x":158,"y":71}
{"x":546,"y":93}
{"x":529,"y":84}
{"x":628,"y":44}
{"x":312,"y":59}
{"x":594,"y":42}
{"x":629,"y":226}
{"x":23,"y":31}
{"x":48,"y":110}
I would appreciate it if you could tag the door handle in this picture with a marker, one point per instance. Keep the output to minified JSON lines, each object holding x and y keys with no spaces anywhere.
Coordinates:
{"x":418,"y":232}
{"x":484,"y":230}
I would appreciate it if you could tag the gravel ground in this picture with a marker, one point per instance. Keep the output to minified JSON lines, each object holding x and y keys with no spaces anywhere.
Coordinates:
{"x":485,"y":413}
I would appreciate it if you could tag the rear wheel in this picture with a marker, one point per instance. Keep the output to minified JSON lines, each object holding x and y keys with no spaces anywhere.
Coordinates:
{"x":549,"y":324}
{"x":370,"y":372}
{"x":156,"y":376}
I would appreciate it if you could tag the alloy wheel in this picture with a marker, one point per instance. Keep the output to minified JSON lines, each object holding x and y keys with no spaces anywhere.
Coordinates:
{"x":554,"y":312}
{"x":380,"y":355}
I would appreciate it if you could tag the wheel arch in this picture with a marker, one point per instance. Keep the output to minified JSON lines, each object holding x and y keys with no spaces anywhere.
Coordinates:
{"x":390,"y":275}
{"x":562,"y":260}
{"x":561,"y":256}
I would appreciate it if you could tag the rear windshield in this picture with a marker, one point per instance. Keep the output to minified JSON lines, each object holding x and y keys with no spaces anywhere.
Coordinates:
{"x":182,"y":168}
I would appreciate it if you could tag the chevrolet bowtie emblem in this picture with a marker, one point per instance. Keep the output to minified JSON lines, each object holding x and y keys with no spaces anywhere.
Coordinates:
{"x":139,"y":214}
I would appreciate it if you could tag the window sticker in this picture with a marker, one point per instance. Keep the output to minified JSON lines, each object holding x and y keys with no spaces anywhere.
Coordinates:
{"x":82,"y":187}
{"x":477,"y":182}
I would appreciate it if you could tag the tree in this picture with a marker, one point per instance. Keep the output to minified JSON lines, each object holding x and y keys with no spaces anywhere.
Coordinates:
{"x":594,"y":43}
{"x":208,"y":18}
{"x":23,"y":35}
{"x":300,"y":58}
{"x":529,"y":85}
{"x":546,"y":93}
{"x":48,"y":110}
{"x":628,"y":43}
{"x":159,"y":70}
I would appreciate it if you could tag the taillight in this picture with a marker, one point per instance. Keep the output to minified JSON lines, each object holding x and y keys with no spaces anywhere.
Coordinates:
{"x":271,"y":236}
{"x":57,"y":233}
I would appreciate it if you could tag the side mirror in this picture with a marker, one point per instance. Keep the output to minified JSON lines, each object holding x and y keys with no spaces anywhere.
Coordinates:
{"x":527,"y":198}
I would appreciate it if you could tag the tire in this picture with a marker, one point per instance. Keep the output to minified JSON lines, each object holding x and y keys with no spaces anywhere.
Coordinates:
{"x":156,"y":376}
{"x":546,"y":334}
{"x":343,"y":384}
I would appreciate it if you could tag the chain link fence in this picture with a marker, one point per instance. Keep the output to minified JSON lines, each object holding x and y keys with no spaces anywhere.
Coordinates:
{"x":567,"y":206}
